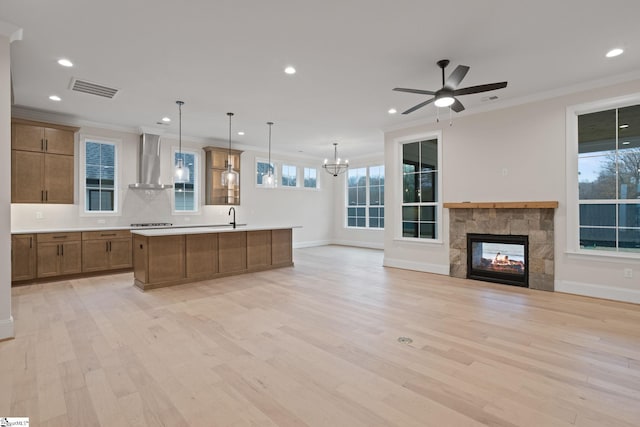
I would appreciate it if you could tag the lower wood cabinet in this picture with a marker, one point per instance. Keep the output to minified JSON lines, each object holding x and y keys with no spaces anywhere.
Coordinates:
{"x":201,"y":255}
{"x":106,"y":250}
{"x":23,"y":257}
{"x":59,"y":254}
{"x":174,"y":259}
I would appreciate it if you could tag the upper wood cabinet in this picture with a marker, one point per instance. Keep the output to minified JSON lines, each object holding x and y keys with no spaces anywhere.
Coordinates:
{"x":216,"y":163}
{"x":42,"y":162}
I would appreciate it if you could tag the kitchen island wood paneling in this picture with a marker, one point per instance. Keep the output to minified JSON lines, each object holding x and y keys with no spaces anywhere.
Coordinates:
{"x":165,"y":257}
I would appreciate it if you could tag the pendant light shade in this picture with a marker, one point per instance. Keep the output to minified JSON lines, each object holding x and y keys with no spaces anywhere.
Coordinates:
{"x":269,"y":180}
{"x":181,"y":172}
{"x":229,"y":177}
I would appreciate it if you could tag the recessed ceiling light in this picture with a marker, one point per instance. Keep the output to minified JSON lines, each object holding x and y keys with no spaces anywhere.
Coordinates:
{"x":626,"y":143}
{"x":392,"y":111}
{"x":240,"y":133}
{"x":65,"y":62}
{"x":624,"y":126}
{"x":290,"y":70}
{"x":614,"y":52}
{"x":166,"y":119}
{"x":55,"y":98}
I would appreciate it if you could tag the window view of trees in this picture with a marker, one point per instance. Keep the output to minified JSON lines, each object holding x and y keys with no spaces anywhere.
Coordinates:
{"x":609,"y":179}
{"x":100,"y":169}
{"x":365,"y":197}
{"x":420,"y":189}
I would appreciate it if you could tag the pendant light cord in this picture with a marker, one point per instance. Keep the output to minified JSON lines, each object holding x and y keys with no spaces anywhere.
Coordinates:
{"x":270,"y":124}
{"x":180,"y":103}
{"x":230,"y":115}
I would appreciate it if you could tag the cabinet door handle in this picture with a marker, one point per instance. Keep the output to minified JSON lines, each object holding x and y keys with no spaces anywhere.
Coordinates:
{"x":46,"y":195}
{"x":42,"y":195}
{"x":60,"y":237}
{"x":41,"y":144}
{"x":46,"y":145}
{"x":62,"y":250}
{"x":58,"y":250}
{"x":109,"y":246}
{"x":30,"y":242}
{"x":107,"y":234}
{"x":106,"y":246}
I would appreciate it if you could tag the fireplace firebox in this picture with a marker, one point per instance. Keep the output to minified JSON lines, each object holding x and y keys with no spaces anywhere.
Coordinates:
{"x":498,"y":258}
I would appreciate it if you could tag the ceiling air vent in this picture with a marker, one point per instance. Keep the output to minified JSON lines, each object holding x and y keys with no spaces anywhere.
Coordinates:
{"x":93,"y":88}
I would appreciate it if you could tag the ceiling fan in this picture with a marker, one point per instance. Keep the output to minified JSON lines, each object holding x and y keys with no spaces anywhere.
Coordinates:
{"x":446,"y":96}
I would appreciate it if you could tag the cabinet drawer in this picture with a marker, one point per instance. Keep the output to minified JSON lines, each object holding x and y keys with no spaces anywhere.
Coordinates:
{"x":105,"y":235}
{"x":59,"y":237}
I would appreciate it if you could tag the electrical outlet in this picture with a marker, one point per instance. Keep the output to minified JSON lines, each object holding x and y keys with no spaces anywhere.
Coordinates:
{"x":39,"y":215}
{"x":628,"y":273}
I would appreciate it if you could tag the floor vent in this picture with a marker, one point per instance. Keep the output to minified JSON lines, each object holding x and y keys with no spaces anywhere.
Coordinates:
{"x":93,"y":88}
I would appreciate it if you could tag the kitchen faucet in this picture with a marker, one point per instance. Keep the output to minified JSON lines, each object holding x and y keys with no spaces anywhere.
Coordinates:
{"x":234,"y":216}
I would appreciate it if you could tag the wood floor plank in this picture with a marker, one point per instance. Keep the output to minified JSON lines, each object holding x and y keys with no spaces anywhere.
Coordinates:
{"x":317,"y":345}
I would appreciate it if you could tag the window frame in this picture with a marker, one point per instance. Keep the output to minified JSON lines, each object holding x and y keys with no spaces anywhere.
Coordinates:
{"x":367,"y":205}
{"x":82,"y":174}
{"x":297,"y":174}
{"x":572,"y":184}
{"x":398,"y":199}
{"x":304,"y":177}
{"x":274,"y":165}
{"x":196,"y":182}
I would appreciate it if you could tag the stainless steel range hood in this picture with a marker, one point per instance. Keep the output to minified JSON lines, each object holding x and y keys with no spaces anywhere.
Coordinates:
{"x":149,"y":164}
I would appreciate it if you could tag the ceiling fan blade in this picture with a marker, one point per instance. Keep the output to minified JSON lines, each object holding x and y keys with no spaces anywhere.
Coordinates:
{"x":457,"y":106}
{"x":456,"y":77}
{"x":422,"y":104}
{"x":419,"y":91}
{"x":477,"y":89}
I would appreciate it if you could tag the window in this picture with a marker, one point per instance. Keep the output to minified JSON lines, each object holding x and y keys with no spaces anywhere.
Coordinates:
{"x":100,"y":176}
{"x":262,"y":169}
{"x":185,"y":194}
{"x":289,"y":173}
{"x":365,"y":197}
{"x":310,"y":178}
{"x":420,"y":205}
{"x":609,"y":180}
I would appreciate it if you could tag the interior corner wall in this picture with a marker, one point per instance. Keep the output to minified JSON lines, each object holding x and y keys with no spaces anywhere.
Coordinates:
{"x":6,"y":320}
{"x":512,"y":154}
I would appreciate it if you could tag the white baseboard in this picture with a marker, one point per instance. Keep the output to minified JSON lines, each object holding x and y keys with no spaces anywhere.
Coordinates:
{"x":416,"y":266}
{"x":358,"y":244}
{"x":598,"y":291}
{"x":6,"y":328}
{"x":311,"y":244}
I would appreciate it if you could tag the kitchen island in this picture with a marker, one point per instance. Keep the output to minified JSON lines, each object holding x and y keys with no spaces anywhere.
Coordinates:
{"x":172,"y":256}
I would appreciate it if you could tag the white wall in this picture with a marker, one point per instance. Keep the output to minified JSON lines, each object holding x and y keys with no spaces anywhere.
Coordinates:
{"x":529,"y":142}
{"x":6,"y":320}
{"x":310,"y":209}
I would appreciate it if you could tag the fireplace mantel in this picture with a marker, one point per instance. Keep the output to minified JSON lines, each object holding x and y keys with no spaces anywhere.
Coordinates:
{"x":502,"y":205}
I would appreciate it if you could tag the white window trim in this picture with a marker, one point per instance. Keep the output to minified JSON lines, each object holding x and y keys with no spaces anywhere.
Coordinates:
{"x":367,"y":206}
{"x":397,"y":205}
{"x":196,"y":190}
{"x":573,"y":200}
{"x":82,"y":179}
{"x":317,"y":187}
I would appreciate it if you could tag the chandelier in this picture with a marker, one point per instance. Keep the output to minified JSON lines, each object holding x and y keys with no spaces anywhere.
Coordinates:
{"x":337,"y":167}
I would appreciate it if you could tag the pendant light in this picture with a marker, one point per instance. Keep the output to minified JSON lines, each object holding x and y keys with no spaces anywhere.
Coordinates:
{"x":269,"y":181}
{"x":229,"y":177}
{"x":337,"y":167}
{"x":181,"y":173}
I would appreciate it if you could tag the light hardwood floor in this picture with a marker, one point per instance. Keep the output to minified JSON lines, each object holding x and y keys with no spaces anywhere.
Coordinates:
{"x":317,"y":345}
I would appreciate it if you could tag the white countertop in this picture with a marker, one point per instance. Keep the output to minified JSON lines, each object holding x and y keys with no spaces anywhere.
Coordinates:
{"x":108,"y":228}
{"x":176,"y":231}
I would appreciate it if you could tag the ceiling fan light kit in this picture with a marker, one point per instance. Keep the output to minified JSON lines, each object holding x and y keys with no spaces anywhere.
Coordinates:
{"x":447,"y":95}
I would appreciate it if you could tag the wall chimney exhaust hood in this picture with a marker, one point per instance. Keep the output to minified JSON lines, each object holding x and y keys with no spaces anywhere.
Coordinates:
{"x":149,"y":164}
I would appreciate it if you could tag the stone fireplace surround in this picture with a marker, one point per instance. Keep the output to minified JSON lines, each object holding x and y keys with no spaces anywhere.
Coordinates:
{"x":533,"y":219}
